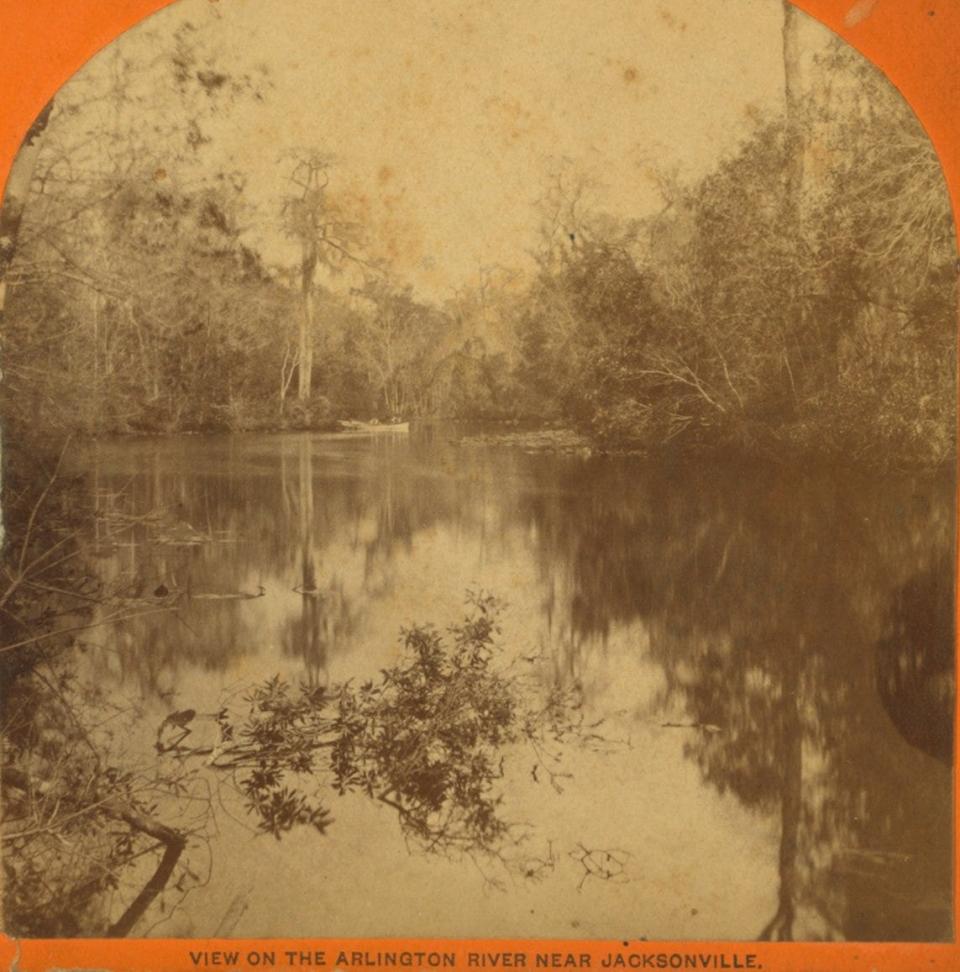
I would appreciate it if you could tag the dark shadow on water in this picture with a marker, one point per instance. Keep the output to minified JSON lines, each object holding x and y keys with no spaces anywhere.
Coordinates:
{"x":915,"y":660}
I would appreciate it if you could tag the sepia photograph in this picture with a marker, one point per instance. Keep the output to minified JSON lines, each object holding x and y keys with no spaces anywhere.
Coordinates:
{"x":478,"y":470}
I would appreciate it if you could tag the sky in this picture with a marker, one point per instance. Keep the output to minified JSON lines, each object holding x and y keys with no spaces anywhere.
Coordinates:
{"x":446,"y":116}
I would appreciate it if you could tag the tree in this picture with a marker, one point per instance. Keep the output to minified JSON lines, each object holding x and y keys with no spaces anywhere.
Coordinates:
{"x":100,"y":309}
{"x":327,"y":238}
{"x":394,"y":341}
{"x":16,"y":195}
{"x":794,"y":148}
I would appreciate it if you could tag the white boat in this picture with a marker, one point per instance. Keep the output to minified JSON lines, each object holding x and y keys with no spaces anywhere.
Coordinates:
{"x":376,"y":428}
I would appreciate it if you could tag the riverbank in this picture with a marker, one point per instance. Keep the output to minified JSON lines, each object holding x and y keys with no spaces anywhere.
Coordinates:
{"x":797,"y":444}
{"x":750,"y":444}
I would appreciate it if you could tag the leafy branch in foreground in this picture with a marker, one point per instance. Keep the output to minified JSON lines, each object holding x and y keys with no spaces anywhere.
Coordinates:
{"x":429,"y":739}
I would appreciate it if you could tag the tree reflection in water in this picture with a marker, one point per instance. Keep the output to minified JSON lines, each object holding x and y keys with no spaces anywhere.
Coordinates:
{"x":766,"y":617}
{"x":915,"y":660}
{"x":805,"y":615}
{"x":429,"y":739}
{"x":326,"y":620}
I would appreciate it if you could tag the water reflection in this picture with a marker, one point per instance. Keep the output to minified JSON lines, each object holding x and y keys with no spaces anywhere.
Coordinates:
{"x":792,"y":631}
{"x":325,"y":620}
{"x":915,"y":660}
{"x":764,"y":601}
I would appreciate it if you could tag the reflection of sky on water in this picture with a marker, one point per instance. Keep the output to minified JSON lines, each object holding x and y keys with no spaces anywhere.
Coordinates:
{"x":743,"y":611}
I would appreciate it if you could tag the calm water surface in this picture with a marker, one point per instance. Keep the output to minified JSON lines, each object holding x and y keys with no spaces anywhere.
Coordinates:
{"x":771,"y":651}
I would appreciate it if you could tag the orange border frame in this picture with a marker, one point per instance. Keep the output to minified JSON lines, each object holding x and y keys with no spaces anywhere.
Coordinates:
{"x":917,"y":44}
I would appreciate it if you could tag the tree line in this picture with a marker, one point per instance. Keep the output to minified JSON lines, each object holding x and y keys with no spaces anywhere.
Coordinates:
{"x":798,"y":298}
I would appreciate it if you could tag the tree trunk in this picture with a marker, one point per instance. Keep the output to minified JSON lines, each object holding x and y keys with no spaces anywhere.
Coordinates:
{"x":793,"y":97}
{"x":14,"y":202}
{"x":287,"y":367}
{"x":308,"y":270}
{"x":17,"y":193}
{"x":793,"y":187}
{"x":173,"y":844}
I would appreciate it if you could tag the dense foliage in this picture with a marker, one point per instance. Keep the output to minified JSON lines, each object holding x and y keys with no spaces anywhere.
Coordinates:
{"x":798,"y":298}
{"x":740,"y":317}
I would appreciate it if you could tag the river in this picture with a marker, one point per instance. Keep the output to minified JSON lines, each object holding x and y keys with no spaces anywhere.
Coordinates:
{"x":768,"y":652}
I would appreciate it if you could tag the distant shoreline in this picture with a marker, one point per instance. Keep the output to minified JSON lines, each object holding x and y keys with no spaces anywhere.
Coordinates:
{"x":761,"y":446}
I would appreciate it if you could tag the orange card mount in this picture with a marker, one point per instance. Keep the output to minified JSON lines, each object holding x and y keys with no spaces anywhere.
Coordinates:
{"x":916,"y":43}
